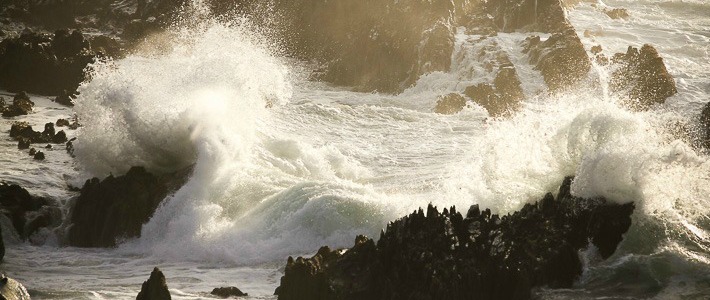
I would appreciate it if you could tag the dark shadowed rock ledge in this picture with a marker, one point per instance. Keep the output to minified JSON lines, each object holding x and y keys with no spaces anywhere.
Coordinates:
{"x":117,"y":207}
{"x":442,"y":255}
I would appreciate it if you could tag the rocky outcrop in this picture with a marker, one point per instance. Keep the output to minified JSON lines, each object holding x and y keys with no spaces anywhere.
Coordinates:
{"x":501,"y":98}
{"x":561,"y":59}
{"x":44,"y":64}
{"x":27,"y":213}
{"x":705,"y":126}
{"x":443,"y":255}
{"x":226,"y":292}
{"x":23,"y":132}
{"x":155,"y":288}
{"x":11,"y":289}
{"x":450,"y":104}
{"x":529,"y":15}
{"x":21,"y":105}
{"x":117,"y":207}
{"x":617,"y":13}
{"x":641,"y":77}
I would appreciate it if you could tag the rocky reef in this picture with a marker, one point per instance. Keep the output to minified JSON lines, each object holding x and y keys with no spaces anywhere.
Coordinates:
{"x":641,"y":77}
{"x":155,"y":288}
{"x":226,"y":292}
{"x":444,"y":255}
{"x":27,"y":213}
{"x":21,"y":105}
{"x":117,"y":207}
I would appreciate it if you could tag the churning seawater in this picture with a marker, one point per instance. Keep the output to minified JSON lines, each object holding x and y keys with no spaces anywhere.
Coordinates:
{"x":284,"y":165}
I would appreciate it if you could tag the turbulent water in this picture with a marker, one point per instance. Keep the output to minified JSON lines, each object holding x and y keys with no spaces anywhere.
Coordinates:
{"x":284,"y":165}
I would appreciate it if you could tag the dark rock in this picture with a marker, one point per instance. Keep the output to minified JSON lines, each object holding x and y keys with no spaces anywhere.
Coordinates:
{"x":21,"y":105}
{"x":70,"y":147}
{"x":64,"y":98}
{"x":23,"y":144}
{"x":642,"y":78}
{"x":155,"y":288}
{"x":17,"y":204}
{"x":60,"y":137}
{"x":2,"y":245}
{"x":49,"y":146}
{"x":24,"y":133}
{"x":39,"y":155}
{"x":562,"y":59}
{"x":44,"y":64}
{"x":531,"y":15}
{"x":226,"y":292}
{"x":117,"y":207}
{"x":705,"y":126}
{"x":33,"y":151}
{"x":106,"y":46}
{"x":62,"y":122}
{"x":49,"y":129}
{"x":12,"y":290}
{"x":450,"y":104}
{"x":444,"y":255}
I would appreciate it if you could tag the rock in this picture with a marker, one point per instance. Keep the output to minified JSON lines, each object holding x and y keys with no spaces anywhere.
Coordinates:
{"x":529,"y":15}
{"x":503,"y":97}
{"x":641,"y":78}
{"x":49,"y":129}
{"x":33,"y":151}
{"x":17,"y":204}
{"x":596,"y":49}
{"x":106,"y":46}
{"x":21,"y":105}
{"x":62,"y":122}
{"x":23,"y":144}
{"x":444,"y":255}
{"x":562,"y":59}
{"x":155,"y":288}
{"x":450,"y":104}
{"x":60,"y":137}
{"x":64,"y":98}
{"x":44,"y":64}
{"x":24,"y":133}
{"x":2,"y":245}
{"x":226,"y":292}
{"x":39,"y":155}
{"x":617,"y":13}
{"x":10,"y":289}
{"x":49,"y":146}
{"x":705,"y":126}
{"x":117,"y":207}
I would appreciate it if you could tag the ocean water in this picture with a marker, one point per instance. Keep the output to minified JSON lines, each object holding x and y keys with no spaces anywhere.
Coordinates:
{"x":284,"y":165}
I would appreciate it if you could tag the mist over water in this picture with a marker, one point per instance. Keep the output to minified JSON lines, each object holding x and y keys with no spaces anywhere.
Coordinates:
{"x":283,"y":165}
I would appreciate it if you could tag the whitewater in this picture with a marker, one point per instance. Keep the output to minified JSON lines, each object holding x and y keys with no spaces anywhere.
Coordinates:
{"x":284,"y":165}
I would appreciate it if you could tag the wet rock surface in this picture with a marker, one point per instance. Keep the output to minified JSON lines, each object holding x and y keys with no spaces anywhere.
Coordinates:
{"x":449,"y":104}
{"x":21,"y":105}
{"x":226,"y":292}
{"x":561,"y":59}
{"x":641,"y":77}
{"x":11,"y":289}
{"x":444,"y":255}
{"x":155,"y":288}
{"x":27,"y":213}
{"x":23,"y":132}
{"x":117,"y":207}
{"x":501,"y":98}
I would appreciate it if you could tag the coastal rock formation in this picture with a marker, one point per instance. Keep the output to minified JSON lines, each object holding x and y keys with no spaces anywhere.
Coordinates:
{"x":44,"y":64}
{"x":561,"y":58}
{"x":450,"y":104}
{"x":24,"y":210}
{"x":24,"y":133}
{"x":705,"y":126}
{"x":442,"y":255}
{"x":155,"y":288}
{"x":529,"y":15}
{"x":11,"y":289}
{"x":117,"y":207}
{"x":226,"y":292}
{"x":21,"y":105}
{"x":642,"y":77}
{"x":502,"y":97}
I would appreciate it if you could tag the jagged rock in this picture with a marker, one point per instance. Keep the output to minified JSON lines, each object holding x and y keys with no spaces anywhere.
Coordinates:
{"x":64,"y":98}
{"x":33,"y":151}
{"x":562,"y":58}
{"x":11,"y":289}
{"x":21,"y":105}
{"x":23,"y":144}
{"x":442,"y":255}
{"x":533,"y":15}
{"x":641,"y":76}
{"x":502,"y":97}
{"x":617,"y":13}
{"x":39,"y":155}
{"x":117,"y":207}
{"x":596,"y":49}
{"x":24,"y":133}
{"x":705,"y":126}
{"x":155,"y":288}
{"x":44,"y":64}
{"x":62,"y":122}
{"x":226,"y":292}
{"x":49,"y":146}
{"x":450,"y":104}
{"x":17,"y":204}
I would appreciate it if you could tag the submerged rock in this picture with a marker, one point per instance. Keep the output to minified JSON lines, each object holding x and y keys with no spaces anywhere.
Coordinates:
{"x":617,"y":13}
{"x":226,"y":292}
{"x":11,"y":289}
{"x":642,"y":77}
{"x":443,"y":255}
{"x":117,"y":207}
{"x":39,"y":155}
{"x":155,"y":288}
